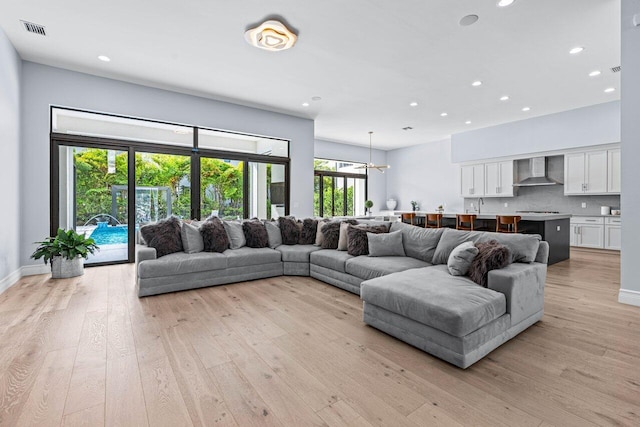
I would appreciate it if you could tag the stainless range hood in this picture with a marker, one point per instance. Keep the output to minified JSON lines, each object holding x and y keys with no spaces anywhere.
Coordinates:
{"x":537,"y":174}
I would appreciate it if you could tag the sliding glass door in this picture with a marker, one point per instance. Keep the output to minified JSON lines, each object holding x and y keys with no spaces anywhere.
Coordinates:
{"x":221,"y":188}
{"x":93,"y":198}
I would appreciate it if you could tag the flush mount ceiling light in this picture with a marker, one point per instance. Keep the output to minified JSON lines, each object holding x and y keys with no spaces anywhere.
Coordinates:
{"x":504,"y":98}
{"x":526,"y":109}
{"x":609,"y":90}
{"x":468,"y":122}
{"x":371,"y":165}
{"x":305,"y":104}
{"x":594,"y":73}
{"x":413,"y":104}
{"x":271,"y":35}
{"x":476,"y":83}
{"x":104,"y":58}
{"x":576,"y":50}
{"x":443,"y":114}
{"x":505,"y":3}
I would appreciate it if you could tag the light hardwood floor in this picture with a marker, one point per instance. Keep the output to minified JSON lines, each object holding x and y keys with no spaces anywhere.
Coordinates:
{"x":293,"y":351}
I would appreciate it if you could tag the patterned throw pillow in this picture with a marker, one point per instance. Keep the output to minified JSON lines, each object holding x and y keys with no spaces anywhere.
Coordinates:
{"x":164,"y":236}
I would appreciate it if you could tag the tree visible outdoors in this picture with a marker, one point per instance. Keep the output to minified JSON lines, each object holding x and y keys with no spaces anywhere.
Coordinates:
{"x":332,"y":198}
{"x":221,"y":184}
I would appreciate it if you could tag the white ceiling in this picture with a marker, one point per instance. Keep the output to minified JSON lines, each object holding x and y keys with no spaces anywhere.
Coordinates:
{"x":367,"y":59}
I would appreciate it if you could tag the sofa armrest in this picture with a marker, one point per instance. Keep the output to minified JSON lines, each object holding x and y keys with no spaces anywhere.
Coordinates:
{"x":523,"y":286}
{"x":144,"y":253}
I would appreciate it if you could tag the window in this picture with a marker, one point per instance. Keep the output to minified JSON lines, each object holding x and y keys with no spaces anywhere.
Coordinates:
{"x":340,"y":188}
{"x":98,"y":160}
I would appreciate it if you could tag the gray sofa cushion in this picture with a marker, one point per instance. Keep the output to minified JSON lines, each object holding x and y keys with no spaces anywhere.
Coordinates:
{"x":251,"y":256}
{"x":235,"y":234}
{"x":273,"y":231}
{"x":418,"y":243}
{"x":461,"y":258}
{"x":330,"y":258}
{"x":366,"y":267}
{"x":386,"y":244}
{"x":453,"y":304}
{"x":296,"y":253}
{"x":450,"y":240}
{"x":191,"y":238}
{"x":523,"y":247}
{"x":181,"y":263}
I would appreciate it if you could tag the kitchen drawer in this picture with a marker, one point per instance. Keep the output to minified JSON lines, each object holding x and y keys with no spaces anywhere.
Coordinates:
{"x":613,"y":220}
{"x":587,"y":220}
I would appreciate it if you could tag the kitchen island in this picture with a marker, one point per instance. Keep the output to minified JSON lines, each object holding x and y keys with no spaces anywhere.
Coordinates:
{"x":553,"y":227}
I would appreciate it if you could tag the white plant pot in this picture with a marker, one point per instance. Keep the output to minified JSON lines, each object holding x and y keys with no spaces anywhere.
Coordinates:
{"x":62,"y":268}
{"x":391,"y":204}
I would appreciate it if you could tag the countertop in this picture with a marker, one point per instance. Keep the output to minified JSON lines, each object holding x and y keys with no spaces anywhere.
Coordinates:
{"x":492,"y":215}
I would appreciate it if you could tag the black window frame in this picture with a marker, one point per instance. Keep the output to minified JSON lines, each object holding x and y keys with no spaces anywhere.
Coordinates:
{"x":334,"y":175}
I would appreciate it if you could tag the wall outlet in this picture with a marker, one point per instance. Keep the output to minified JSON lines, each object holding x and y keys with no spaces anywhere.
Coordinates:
{"x":584,"y":205}
{"x":506,"y":205}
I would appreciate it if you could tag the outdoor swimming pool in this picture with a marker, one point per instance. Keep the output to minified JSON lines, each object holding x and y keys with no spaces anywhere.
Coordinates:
{"x":111,"y":235}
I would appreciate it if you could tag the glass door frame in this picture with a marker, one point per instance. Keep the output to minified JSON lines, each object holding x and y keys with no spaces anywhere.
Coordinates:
{"x":133,"y":147}
{"x":335,"y":175}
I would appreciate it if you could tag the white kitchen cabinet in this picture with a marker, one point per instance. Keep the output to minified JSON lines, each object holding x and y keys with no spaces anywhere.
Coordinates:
{"x":613,"y":233}
{"x":613,"y":171}
{"x":498,"y":179}
{"x":587,"y":231}
{"x":586,"y":173}
{"x":472,"y":180}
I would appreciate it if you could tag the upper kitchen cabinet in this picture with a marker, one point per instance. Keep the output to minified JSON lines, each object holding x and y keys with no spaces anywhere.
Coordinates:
{"x":472,"y":180}
{"x":586,"y":173}
{"x":613,"y":166}
{"x":498,"y":178}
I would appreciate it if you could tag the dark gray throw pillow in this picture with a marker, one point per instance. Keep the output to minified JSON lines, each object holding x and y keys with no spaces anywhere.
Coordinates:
{"x":357,"y":241}
{"x":214,"y":235}
{"x":164,"y":236}
{"x":386,"y":244}
{"x":491,"y":256}
{"x":289,"y":230}
{"x":331,"y":233}
{"x":255,"y":234}
{"x":308,"y":232}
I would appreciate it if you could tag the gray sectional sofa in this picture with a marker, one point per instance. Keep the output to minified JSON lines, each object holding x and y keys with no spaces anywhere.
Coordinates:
{"x":413,"y":298}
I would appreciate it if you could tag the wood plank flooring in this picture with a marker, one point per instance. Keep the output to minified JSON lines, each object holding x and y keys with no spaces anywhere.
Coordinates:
{"x":292,"y":351}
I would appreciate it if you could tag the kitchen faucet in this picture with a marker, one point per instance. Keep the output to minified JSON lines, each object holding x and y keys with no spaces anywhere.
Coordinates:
{"x":480,"y":202}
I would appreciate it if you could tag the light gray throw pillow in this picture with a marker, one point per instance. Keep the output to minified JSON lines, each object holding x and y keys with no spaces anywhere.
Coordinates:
{"x":273,"y":231}
{"x":191,"y":238}
{"x":235,"y":234}
{"x":385,"y":244}
{"x":461,"y":258}
{"x":343,"y":240}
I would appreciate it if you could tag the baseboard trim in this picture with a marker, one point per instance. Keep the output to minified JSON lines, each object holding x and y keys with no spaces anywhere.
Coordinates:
{"x":25,"y":270}
{"x":629,"y":297}
{"x":10,"y":280}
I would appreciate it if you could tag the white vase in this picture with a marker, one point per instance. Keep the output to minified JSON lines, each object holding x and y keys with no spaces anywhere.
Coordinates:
{"x":391,"y":204}
{"x":62,"y":268}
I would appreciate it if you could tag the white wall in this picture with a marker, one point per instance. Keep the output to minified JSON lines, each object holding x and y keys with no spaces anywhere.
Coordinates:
{"x":426,"y":174}
{"x":377,"y":180}
{"x":593,"y":125}
{"x":630,"y":119}
{"x":44,"y":86}
{"x":10,"y":75}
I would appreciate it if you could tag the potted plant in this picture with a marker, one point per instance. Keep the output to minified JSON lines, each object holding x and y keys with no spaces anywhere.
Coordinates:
{"x":66,"y":251}
{"x":368,"y":205}
{"x":414,"y":205}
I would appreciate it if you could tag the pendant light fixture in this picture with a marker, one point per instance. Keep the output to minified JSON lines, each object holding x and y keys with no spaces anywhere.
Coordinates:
{"x":371,"y":165}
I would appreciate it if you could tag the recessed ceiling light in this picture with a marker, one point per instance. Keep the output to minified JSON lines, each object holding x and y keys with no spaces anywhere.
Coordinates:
{"x":576,"y":50}
{"x":305,"y":104}
{"x":468,"y":122}
{"x":504,"y":98}
{"x":468,"y":20}
{"x":505,"y":3}
{"x":526,"y":109}
{"x":414,"y":104}
{"x":271,"y":35}
{"x":316,"y":98}
{"x":104,"y":58}
{"x":476,"y":83}
{"x":594,"y":73}
{"x":609,"y":90}
{"x":444,"y":114}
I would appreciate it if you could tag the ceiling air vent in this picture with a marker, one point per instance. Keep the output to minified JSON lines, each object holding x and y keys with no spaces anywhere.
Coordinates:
{"x":34,"y":28}
{"x":407,"y":128}
{"x":616,"y":69}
